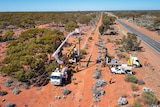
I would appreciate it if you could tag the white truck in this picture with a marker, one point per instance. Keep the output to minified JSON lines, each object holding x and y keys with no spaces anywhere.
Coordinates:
{"x":123,"y":69}
{"x":58,"y":77}
{"x":134,"y":61}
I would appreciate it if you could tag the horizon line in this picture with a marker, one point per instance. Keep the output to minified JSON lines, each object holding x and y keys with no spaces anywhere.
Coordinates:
{"x":82,"y":10}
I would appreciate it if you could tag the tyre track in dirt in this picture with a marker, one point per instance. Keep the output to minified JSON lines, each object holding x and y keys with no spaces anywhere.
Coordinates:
{"x":84,"y":94}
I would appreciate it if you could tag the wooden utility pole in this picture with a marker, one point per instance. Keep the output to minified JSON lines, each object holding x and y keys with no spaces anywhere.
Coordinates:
{"x":79,"y":40}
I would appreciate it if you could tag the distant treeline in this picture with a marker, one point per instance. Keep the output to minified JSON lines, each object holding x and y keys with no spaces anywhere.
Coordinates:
{"x":148,"y":19}
{"x":31,"y":19}
{"x":128,"y":14}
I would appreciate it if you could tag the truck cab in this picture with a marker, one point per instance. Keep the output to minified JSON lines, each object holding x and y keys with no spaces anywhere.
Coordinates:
{"x":58,"y":76}
{"x":134,"y":61}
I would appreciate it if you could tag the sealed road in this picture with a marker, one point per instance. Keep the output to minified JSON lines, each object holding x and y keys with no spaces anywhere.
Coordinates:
{"x":149,"y":41}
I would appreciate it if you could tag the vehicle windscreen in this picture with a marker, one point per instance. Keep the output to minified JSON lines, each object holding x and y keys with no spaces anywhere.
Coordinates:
{"x":55,"y":77}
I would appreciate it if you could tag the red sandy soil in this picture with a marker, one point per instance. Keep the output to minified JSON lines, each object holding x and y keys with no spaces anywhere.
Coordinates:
{"x":82,"y":95}
{"x":151,"y":77}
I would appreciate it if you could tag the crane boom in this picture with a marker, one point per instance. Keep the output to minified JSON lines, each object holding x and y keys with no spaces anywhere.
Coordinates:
{"x":55,"y":54}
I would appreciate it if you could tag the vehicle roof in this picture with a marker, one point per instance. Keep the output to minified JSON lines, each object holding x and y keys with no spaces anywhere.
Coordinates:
{"x":55,"y":73}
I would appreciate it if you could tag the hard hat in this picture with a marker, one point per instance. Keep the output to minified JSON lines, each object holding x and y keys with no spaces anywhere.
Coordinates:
{"x":75,"y":49}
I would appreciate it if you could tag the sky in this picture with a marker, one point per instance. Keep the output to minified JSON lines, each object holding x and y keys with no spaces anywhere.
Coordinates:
{"x":77,"y":5}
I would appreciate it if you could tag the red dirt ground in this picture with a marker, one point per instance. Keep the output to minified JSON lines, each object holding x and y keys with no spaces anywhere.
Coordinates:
{"x":81,"y":95}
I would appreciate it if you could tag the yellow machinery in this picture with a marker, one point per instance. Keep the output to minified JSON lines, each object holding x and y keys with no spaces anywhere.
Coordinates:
{"x":130,"y":61}
{"x":69,"y":53}
{"x":134,"y":61}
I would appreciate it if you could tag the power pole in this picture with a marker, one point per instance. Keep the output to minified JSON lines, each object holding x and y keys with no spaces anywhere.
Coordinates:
{"x":79,"y":40}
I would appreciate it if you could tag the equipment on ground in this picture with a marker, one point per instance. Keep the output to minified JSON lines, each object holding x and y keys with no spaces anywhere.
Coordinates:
{"x":106,"y":56}
{"x":72,"y":54}
{"x":123,"y":69}
{"x":59,"y":75}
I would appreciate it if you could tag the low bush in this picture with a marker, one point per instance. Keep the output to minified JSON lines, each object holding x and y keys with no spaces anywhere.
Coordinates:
{"x":19,"y":75}
{"x":100,"y":83}
{"x":65,"y":91}
{"x":137,"y":104}
{"x":121,"y":55}
{"x":108,"y":40}
{"x":97,"y":92}
{"x":90,"y":38}
{"x":122,"y":101}
{"x":26,"y":86}
{"x":131,"y":78}
{"x":134,"y":87}
{"x":28,"y":74}
{"x":117,"y":42}
{"x":16,"y":91}
{"x":140,"y":82}
{"x":149,"y":98}
{"x":97,"y":74}
{"x":96,"y":99}
{"x":3,"y":93}
{"x":10,"y":105}
{"x":82,"y":52}
{"x":145,"y":89}
{"x":135,"y":94}
{"x":8,"y":83}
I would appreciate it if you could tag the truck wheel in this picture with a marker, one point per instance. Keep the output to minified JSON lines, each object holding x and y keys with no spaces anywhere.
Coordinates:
{"x":135,"y":66}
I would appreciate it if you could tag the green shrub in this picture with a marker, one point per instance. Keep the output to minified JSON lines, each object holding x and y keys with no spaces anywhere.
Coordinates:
{"x":82,"y":52}
{"x":121,"y":55}
{"x":117,"y":42}
{"x":134,"y":87}
{"x":28,"y":74}
{"x":38,"y":64}
{"x":137,"y":104}
{"x":6,"y":70}
{"x":130,"y":42}
{"x":19,"y":75}
{"x":149,"y":98}
{"x":50,"y":67}
{"x":131,"y":78}
{"x":6,"y":60}
{"x":108,"y":40}
{"x":71,"y":25}
{"x":43,"y":56}
{"x":12,"y":67}
{"x":28,"y":60}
